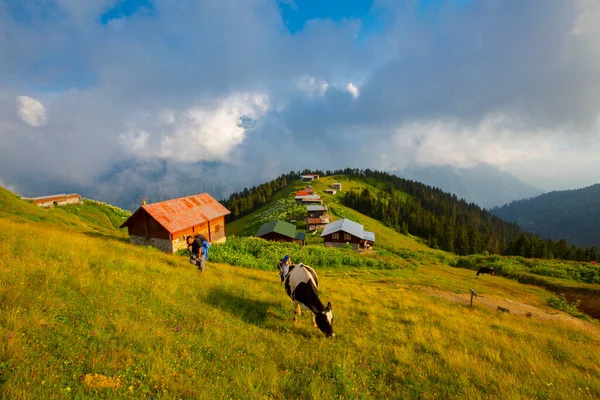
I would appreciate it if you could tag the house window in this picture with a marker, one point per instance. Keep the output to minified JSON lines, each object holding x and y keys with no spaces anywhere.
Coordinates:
{"x":335,"y":236}
{"x":347,"y":236}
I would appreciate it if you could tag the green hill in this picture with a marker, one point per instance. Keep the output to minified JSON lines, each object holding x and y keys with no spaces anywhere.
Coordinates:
{"x":84,"y":314}
{"x":565,"y":214}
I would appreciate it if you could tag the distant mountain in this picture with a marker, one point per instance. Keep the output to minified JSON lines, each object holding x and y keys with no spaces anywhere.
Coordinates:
{"x":570,"y":214}
{"x":483,"y":184}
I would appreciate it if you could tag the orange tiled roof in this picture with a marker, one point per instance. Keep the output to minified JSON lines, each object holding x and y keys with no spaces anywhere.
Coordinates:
{"x":178,"y":214}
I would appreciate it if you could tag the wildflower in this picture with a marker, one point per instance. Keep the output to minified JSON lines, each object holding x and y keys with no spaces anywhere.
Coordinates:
{"x":10,"y":335}
{"x":177,"y":328}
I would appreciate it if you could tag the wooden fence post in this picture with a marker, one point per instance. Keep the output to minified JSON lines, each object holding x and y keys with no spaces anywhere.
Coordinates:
{"x":472,"y":294}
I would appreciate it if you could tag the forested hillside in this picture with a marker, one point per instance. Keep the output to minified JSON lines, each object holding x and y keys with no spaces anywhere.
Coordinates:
{"x":449,"y":223}
{"x":569,"y":214}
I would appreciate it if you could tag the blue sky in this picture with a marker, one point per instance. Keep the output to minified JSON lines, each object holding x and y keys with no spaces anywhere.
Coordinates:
{"x":115,"y":89}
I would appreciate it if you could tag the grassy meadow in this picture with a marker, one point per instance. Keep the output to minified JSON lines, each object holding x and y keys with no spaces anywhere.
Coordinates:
{"x":84,"y":314}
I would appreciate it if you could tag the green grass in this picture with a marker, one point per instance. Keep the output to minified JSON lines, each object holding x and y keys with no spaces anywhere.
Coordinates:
{"x":92,"y":216}
{"x":239,"y":227}
{"x":84,"y":305}
{"x":87,"y":302}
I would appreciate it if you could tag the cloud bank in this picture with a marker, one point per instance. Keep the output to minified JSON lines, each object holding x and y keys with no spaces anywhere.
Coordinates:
{"x":179,"y":97}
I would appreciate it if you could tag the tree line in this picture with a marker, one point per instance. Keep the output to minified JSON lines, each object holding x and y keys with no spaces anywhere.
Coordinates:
{"x":449,"y":223}
{"x":250,"y":199}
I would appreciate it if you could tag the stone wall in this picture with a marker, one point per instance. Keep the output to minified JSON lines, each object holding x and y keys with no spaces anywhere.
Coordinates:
{"x":161,"y":244}
{"x":165,"y":244}
{"x":338,"y":244}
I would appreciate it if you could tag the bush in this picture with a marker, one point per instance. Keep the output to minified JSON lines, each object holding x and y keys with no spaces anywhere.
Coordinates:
{"x":258,"y":253}
{"x":561,"y":303}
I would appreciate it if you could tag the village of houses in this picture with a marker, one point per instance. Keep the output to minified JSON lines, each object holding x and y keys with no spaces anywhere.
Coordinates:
{"x":166,"y":224}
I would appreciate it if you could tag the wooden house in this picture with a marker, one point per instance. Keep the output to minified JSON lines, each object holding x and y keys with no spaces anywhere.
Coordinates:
{"x":309,"y":190}
{"x":316,"y":211}
{"x":307,"y":178}
{"x":308,"y":200}
{"x":166,"y":224}
{"x":330,"y":191}
{"x":317,"y":223}
{"x":346,"y":231}
{"x":57,"y":200}
{"x":337,"y":186}
{"x":281,"y":231}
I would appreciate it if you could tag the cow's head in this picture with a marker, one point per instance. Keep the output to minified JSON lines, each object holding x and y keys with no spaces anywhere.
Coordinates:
{"x":324,"y":320}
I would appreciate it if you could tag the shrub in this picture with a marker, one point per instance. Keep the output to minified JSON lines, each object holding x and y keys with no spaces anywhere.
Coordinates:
{"x":258,"y":253}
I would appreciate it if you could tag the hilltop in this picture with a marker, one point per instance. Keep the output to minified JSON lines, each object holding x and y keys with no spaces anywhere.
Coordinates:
{"x":88,"y":315}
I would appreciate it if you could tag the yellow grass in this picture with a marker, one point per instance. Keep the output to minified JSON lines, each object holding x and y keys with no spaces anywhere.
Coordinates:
{"x":74,"y":305}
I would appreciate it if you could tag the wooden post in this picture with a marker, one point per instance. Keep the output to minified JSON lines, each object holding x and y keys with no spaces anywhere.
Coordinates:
{"x":473,"y":293}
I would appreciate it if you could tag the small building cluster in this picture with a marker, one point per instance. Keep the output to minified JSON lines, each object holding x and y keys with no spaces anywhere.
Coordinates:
{"x":56,"y":200}
{"x":335,"y":234}
{"x":316,"y":217}
{"x":308,"y":197}
{"x":165,"y":225}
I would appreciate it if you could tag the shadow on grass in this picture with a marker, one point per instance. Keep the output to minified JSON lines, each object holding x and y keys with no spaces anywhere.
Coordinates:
{"x":247,"y":309}
{"x":105,"y":236}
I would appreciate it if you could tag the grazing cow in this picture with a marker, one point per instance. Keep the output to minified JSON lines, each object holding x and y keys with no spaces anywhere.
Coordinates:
{"x":301,"y":284}
{"x":486,"y":270}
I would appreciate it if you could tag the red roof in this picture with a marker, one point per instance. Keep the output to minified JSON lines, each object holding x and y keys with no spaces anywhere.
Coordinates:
{"x":185,"y":212}
{"x":315,"y":221}
{"x":302,"y":193}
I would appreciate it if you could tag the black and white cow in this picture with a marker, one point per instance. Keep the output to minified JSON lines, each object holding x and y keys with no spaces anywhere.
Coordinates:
{"x":302,"y":285}
{"x":486,"y":270}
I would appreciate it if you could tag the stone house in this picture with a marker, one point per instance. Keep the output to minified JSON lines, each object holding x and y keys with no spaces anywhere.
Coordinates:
{"x":166,"y":224}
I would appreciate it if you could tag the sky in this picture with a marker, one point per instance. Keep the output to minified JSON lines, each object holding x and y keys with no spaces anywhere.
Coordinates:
{"x":120,"y":99}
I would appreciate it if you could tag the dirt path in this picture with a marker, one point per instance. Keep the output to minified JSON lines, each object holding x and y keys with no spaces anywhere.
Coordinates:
{"x":515,"y":307}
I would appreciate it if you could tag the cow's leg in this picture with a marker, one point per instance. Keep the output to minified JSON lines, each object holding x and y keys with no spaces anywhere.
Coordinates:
{"x":297,"y":310}
{"x":314,"y":321}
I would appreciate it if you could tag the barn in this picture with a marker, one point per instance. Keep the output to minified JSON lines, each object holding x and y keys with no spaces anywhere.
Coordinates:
{"x":57,"y":200}
{"x":166,"y":224}
{"x":281,"y":231}
{"x":346,"y":231}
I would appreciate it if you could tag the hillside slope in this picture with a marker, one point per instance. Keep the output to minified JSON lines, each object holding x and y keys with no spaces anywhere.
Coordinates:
{"x":91,"y":216}
{"x":568,"y":214}
{"x":91,"y":316}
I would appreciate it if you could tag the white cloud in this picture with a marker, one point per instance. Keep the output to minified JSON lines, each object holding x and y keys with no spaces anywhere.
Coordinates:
{"x":31,"y":111}
{"x":497,"y":140}
{"x":312,"y":85}
{"x":198,"y":133}
{"x":353,"y":90}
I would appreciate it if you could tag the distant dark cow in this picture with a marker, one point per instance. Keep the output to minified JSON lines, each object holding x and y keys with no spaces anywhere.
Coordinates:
{"x":486,"y":270}
{"x":302,"y":284}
